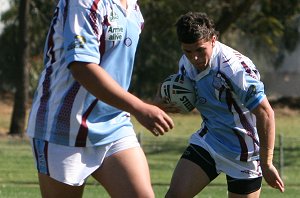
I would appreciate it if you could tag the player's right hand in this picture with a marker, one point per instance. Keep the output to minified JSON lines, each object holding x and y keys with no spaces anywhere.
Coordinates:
{"x":154,"y":119}
{"x":272,"y":177}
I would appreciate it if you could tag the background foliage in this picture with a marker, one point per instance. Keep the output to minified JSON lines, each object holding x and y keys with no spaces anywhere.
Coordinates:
{"x":265,"y":28}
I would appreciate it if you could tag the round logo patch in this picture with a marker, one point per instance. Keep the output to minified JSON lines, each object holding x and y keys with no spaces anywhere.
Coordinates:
{"x":127,"y":42}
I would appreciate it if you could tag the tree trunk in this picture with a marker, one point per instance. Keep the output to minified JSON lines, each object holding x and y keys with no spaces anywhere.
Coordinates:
{"x":18,"y":120}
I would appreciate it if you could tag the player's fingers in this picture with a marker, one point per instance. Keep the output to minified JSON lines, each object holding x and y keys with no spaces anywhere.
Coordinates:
{"x":165,"y":125}
{"x":280,"y":185}
{"x":168,"y":121}
{"x":155,"y":132}
{"x":160,"y":130}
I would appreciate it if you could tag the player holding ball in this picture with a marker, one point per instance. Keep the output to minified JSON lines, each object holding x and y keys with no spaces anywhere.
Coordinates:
{"x":237,"y":134}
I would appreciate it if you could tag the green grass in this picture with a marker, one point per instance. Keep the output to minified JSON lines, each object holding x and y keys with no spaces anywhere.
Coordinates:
{"x":18,"y":175}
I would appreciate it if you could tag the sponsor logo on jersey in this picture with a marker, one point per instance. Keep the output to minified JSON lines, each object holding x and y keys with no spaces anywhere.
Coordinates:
{"x":218,"y":82}
{"x":114,"y":33}
{"x":78,"y":42}
{"x":251,"y":92}
{"x":127,"y":42}
{"x":201,"y":100}
{"x":251,"y":173}
{"x":115,"y":30}
{"x":113,"y":16}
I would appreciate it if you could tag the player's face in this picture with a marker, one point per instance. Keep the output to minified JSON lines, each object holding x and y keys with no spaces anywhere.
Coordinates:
{"x":199,"y":53}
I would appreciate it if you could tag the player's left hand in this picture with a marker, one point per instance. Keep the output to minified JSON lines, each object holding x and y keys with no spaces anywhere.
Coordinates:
{"x":272,"y":177}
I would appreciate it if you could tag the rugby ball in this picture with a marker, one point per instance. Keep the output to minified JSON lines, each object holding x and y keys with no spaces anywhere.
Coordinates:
{"x":179,"y":89}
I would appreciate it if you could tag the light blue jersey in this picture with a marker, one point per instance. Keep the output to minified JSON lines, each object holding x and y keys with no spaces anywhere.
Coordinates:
{"x":95,"y":31}
{"x":226,"y":93}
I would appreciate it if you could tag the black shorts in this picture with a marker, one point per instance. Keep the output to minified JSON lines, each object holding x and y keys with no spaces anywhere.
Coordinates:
{"x":201,"y":157}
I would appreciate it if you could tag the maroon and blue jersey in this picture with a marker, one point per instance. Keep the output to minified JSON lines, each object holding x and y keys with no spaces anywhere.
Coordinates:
{"x":227,"y":91}
{"x":92,"y":31}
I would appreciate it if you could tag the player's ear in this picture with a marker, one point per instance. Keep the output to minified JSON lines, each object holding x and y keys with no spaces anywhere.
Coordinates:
{"x":213,"y":40}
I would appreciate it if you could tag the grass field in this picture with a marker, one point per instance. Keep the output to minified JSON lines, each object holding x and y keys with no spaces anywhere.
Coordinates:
{"x":18,"y":175}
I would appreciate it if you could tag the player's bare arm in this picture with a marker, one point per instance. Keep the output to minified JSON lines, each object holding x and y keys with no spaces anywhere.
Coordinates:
{"x":98,"y":82}
{"x":266,"y":131}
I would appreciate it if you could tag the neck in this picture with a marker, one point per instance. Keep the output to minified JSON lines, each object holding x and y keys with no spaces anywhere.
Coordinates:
{"x":124,"y":4}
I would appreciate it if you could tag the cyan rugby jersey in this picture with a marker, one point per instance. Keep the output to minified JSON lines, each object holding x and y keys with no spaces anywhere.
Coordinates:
{"x":97,"y":31}
{"x":226,"y":93}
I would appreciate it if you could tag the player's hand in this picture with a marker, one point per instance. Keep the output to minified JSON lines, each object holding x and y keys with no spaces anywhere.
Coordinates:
{"x":272,"y":177}
{"x":154,"y":119}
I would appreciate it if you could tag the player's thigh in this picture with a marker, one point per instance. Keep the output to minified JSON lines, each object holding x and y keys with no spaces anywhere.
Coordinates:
{"x":195,"y":170}
{"x":125,"y":174}
{"x":51,"y":188}
{"x":188,"y":180}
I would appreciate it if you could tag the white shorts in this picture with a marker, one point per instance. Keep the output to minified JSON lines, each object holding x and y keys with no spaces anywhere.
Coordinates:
{"x":73,"y":165}
{"x":233,"y":168}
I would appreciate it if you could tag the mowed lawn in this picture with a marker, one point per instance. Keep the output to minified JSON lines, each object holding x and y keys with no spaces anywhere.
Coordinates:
{"x":18,"y":175}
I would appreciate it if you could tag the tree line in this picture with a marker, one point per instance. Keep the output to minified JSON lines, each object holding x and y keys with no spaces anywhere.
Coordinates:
{"x":270,"y":28}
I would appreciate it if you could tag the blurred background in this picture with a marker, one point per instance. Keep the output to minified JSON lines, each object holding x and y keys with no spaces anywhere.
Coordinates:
{"x":267,"y":31}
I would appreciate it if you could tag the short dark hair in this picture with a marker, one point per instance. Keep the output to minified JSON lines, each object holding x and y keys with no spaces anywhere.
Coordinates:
{"x":193,"y":26}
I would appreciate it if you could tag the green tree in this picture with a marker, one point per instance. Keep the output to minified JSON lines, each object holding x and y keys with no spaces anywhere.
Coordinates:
{"x":21,"y":53}
{"x":40,"y":13}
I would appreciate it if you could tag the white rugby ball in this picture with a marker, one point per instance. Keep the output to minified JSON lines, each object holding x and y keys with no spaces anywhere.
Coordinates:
{"x":179,"y":89}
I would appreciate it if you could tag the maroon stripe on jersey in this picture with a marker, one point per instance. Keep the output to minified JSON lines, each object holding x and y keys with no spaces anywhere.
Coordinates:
{"x":35,"y":154}
{"x":93,"y":17}
{"x":102,"y":46}
{"x":83,"y":130}
{"x":40,"y":126}
{"x":50,"y":38}
{"x":62,"y":127}
{"x":244,"y":152}
{"x":232,"y":103}
{"x":102,"y":38}
{"x":93,"y":23}
{"x":46,"y":156}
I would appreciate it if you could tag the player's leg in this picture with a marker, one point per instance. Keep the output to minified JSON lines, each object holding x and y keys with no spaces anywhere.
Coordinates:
{"x":194,"y":171}
{"x":61,"y":171}
{"x":126,"y":174}
{"x":244,"y":179}
{"x":187,"y":181}
{"x":51,"y":188}
{"x":244,"y":188}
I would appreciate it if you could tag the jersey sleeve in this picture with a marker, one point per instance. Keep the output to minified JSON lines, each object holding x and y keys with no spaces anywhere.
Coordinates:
{"x":246,"y":83}
{"x":82,"y":32}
